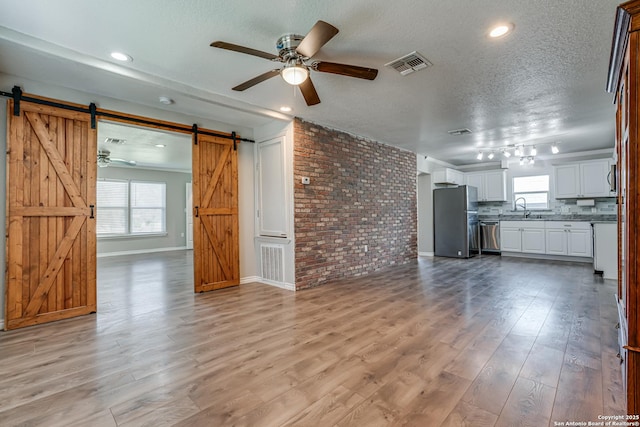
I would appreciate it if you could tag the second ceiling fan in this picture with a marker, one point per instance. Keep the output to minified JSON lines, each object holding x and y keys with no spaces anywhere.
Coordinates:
{"x":296,"y":52}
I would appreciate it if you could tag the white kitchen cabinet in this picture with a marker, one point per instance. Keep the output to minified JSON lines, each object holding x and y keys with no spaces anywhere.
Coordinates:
{"x":491,"y":185}
{"x":556,"y":241}
{"x":605,"y":246}
{"x":448,"y":176}
{"x":522,"y":236}
{"x":581,"y":180}
{"x":594,"y":177}
{"x":510,"y":239}
{"x":572,"y":238}
{"x":495,"y":186}
{"x":533,"y":240}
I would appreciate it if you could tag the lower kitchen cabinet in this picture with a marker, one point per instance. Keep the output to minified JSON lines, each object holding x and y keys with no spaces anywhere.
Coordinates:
{"x":522,"y":236}
{"x":510,"y":238}
{"x":569,"y":238}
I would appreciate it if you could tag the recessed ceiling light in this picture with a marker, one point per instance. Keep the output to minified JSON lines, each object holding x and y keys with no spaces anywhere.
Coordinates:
{"x":165,"y":100}
{"x":119,"y":56}
{"x":500,"y":30}
{"x":285,"y":109}
{"x":160,"y":145}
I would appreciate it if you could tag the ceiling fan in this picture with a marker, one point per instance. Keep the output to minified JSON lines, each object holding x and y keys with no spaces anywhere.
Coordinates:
{"x":296,"y":53}
{"x":105,"y":160}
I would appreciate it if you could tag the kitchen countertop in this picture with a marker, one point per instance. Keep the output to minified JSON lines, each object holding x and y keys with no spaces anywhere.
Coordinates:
{"x":600,"y":219}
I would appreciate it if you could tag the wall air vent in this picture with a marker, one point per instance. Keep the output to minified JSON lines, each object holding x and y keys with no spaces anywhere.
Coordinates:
{"x":409,"y":63}
{"x":272,"y":263}
{"x":115,"y":141}
{"x":457,"y":132}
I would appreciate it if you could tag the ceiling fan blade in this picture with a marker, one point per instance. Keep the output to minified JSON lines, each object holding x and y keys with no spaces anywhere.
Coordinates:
{"x":124,"y":162}
{"x":346,"y":70}
{"x":242,"y":49}
{"x":309,"y":92}
{"x":254,"y":81}
{"x":320,"y":34}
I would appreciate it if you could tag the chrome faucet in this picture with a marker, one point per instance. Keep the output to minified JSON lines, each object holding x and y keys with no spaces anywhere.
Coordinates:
{"x":523,"y":206}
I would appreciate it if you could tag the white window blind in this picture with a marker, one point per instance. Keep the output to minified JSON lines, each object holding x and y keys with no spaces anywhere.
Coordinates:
{"x":148,"y":207}
{"x":130,"y":208}
{"x":534,"y":189}
{"x":113,"y":204}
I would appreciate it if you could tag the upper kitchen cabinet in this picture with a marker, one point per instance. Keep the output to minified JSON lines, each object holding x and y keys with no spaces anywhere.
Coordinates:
{"x":584,"y":179}
{"x":491,"y":185}
{"x":448,"y":176}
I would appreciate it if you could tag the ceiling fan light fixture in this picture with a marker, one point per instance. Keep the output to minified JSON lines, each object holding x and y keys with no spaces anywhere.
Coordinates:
{"x":103,"y":162}
{"x":294,"y":73}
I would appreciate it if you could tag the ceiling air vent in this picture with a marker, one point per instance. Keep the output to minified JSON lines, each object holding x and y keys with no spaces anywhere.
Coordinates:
{"x":115,"y":141}
{"x":456,"y":132}
{"x":409,"y":63}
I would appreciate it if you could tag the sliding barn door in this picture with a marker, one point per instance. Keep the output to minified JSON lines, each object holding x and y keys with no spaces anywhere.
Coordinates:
{"x":216,"y":254}
{"x":51,"y":244}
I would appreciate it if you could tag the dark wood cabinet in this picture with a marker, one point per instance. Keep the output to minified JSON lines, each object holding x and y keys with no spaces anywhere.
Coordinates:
{"x":623,"y":81}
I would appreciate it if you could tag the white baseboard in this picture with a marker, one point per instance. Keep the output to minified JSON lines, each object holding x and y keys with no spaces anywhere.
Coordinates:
{"x":426,"y":254}
{"x":549,"y":257}
{"x":141,"y":251}
{"x":249,"y":279}
{"x":287,"y":286}
{"x":258,"y":279}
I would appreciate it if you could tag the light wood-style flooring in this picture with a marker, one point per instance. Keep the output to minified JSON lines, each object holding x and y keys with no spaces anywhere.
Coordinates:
{"x":488,"y":341}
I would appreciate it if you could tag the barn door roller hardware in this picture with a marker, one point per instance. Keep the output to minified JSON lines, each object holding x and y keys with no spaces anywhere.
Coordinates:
{"x":18,"y":96}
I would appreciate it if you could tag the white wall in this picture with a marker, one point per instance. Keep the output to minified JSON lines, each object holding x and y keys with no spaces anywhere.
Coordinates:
{"x":266,"y":133}
{"x":425,"y":215}
{"x":245,"y":158}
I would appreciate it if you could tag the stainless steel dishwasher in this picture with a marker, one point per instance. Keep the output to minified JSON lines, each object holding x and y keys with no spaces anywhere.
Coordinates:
{"x":489,"y":236}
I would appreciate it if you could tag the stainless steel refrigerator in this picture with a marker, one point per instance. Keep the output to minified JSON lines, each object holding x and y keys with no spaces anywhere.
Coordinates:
{"x":455,"y":221}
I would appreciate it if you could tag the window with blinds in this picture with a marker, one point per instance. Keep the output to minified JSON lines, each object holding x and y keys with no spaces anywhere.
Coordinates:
{"x":130,"y":208}
{"x":534,"y":189}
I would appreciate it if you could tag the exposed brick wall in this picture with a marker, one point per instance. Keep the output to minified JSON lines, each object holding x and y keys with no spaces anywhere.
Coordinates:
{"x":362,"y":193}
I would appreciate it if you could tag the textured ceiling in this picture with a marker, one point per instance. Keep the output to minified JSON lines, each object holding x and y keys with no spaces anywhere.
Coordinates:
{"x":542,"y":83}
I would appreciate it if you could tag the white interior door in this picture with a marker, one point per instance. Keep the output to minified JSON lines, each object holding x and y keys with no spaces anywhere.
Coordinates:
{"x":189,"y":213}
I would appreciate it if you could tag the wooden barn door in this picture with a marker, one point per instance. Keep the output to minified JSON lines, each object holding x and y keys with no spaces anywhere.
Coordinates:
{"x":51,"y":243}
{"x":216,"y":255}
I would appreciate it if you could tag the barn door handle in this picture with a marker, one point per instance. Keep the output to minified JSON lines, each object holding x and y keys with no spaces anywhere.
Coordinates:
{"x":91,"y":207}
{"x":196,"y":209}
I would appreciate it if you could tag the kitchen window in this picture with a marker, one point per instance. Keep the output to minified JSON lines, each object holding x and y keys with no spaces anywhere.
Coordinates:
{"x":130,"y":208}
{"x":534,"y":189}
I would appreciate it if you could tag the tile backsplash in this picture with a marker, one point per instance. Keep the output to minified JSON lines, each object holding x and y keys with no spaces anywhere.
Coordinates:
{"x":605,"y":206}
